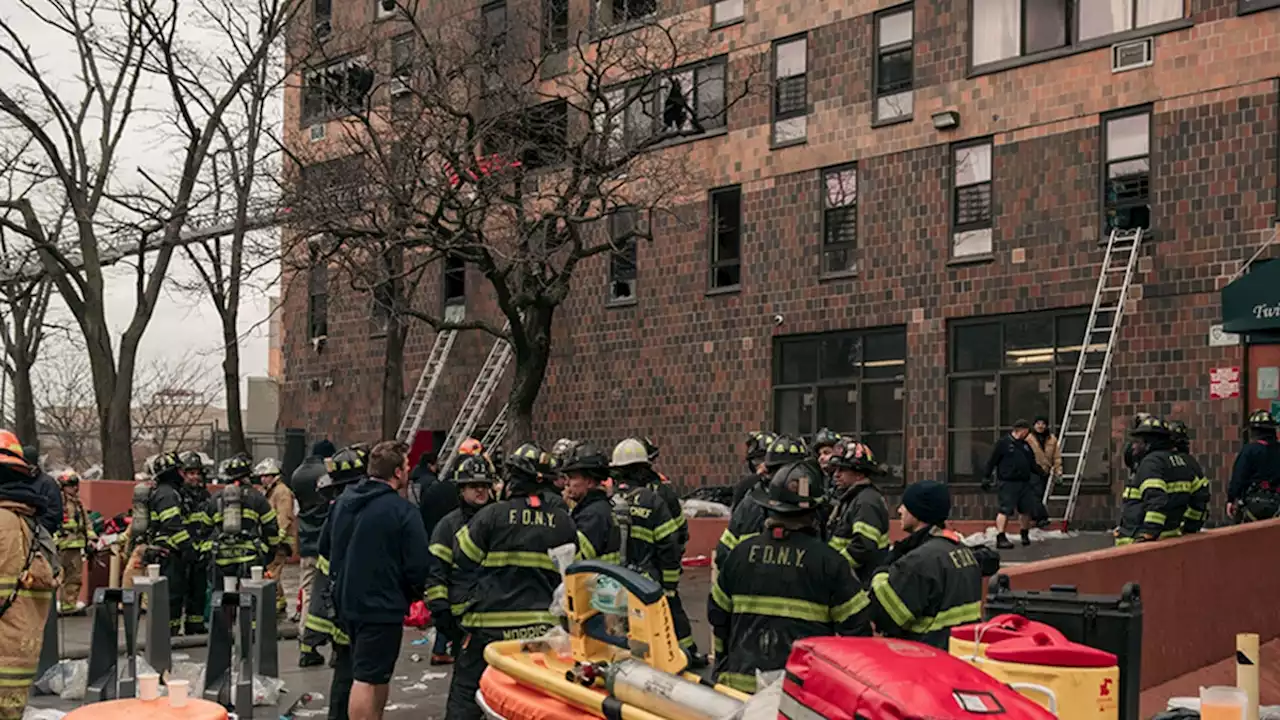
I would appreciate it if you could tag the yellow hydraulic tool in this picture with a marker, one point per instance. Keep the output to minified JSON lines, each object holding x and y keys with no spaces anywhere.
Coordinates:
{"x":650,"y":634}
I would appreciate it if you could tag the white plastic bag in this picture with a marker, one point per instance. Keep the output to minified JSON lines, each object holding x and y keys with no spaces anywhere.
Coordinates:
{"x":556,"y":641}
{"x":764,"y":704}
{"x":34,"y":713}
{"x":704,"y":508}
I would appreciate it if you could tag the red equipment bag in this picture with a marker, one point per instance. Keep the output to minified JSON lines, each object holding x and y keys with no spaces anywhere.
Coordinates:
{"x":419,"y":616}
{"x":832,"y":678}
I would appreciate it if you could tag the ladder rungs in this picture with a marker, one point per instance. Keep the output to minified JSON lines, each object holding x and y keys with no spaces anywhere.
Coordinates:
{"x":1059,"y":497}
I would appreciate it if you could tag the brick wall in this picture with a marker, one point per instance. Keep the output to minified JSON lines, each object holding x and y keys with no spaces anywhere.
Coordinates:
{"x":693,"y":370}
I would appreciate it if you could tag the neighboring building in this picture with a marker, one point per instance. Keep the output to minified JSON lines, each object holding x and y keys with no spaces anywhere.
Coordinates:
{"x":907,"y":242}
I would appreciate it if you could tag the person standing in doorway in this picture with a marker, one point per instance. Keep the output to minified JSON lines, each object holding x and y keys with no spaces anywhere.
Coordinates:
{"x":1047,"y":451}
{"x":1013,"y":462}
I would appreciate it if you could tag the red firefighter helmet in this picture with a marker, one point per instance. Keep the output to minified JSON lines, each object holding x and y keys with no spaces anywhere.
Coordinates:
{"x":11,"y":453}
{"x":470,"y":446}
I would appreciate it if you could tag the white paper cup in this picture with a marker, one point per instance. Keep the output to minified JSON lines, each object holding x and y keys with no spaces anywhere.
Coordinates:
{"x":153,"y":571}
{"x":178,"y":691}
{"x":230,"y":584}
{"x":148,"y":686}
{"x":255,"y":572}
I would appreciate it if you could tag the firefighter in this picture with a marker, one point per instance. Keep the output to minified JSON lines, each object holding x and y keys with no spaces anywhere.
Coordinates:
{"x":585,"y":469}
{"x":748,"y":517}
{"x":345,"y":469}
{"x":1254,"y":490}
{"x":1158,"y":494}
{"x":281,"y":499}
{"x":783,"y":584}
{"x":1198,"y":503}
{"x":167,"y":539}
{"x":554,"y":458}
{"x":824,"y":447}
{"x":134,"y":546}
{"x":1130,"y":460}
{"x":934,"y":581}
{"x":195,"y":504}
{"x":542,"y":469}
{"x":667,"y":491}
{"x":238,"y":546}
{"x":511,"y":577}
{"x":28,"y":570}
{"x":858,"y":527}
{"x":73,"y":542}
{"x":474,"y":478}
{"x":758,"y":443}
{"x":653,"y":546}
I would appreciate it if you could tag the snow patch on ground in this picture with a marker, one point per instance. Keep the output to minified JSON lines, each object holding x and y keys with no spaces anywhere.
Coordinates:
{"x":988,"y":537}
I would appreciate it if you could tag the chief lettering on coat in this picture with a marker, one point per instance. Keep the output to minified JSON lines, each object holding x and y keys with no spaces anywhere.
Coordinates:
{"x":776,"y":555}
{"x":530,"y":517}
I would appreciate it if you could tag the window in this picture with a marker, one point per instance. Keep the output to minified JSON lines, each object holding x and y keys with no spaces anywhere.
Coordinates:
{"x":840,"y":220}
{"x":1248,"y":6}
{"x":622,"y":260}
{"x":555,"y":26}
{"x":332,"y":187}
{"x":851,"y":382}
{"x":609,"y":13}
{"x":971,"y":199}
{"x":1005,"y":29}
{"x":1126,"y":181}
{"x":494,"y":15}
{"x":687,"y":101}
{"x":724,"y":12}
{"x":384,"y":9}
{"x":455,"y":281}
{"x":536,"y":136}
{"x":726,"y":238}
{"x":318,"y":296}
{"x":321,"y":11}
{"x":790,"y":90}
{"x":336,"y":89}
{"x":895,"y":58}
{"x":1017,"y":367}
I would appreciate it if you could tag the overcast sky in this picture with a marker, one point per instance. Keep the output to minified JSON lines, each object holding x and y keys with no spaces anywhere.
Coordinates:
{"x":183,"y":324}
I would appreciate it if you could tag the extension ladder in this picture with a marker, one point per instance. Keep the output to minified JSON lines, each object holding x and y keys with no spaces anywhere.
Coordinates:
{"x":497,"y":431}
{"x":478,"y":398}
{"x":1079,"y":417}
{"x":431,"y":372}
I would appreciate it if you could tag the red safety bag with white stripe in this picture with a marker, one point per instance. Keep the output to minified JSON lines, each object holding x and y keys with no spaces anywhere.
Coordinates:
{"x":832,"y":678}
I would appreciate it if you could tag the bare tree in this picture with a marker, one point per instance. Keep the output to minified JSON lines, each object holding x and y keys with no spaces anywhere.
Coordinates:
{"x":63,"y":392}
{"x":125,"y":51}
{"x":498,"y":146}
{"x":172,"y":404}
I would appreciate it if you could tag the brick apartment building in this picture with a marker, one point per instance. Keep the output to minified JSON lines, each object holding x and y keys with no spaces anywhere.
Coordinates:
{"x":910,"y":233}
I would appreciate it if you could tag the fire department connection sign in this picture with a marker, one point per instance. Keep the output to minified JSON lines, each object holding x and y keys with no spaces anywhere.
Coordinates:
{"x":1224,"y":383}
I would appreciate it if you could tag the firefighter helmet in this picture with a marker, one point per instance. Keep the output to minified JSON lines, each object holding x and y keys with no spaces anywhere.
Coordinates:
{"x":758,"y":444}
{"x":474,"y":470}
{"x":650,"y":447}
{"x":629,"y":452}
{"x":1262,"y":419}
{"x":825,"y":438}
{"x":267,"y":467}
{"x":192,"y":461}
{"x":69,"y":477}
{"x":11,"y":454}
{"x":235,"y":468}
{"x":528,"y":462}
{"x":470,"y":446}
{"x":165,"y":466}
{"x":853,"y":455}
{"x":346,"y":465}
{"x":1153,"y":426}
{"x":797,"y":487}
{"x":560,"y":447}
{"x":784,"y":449}
{"x":585,"y":458}
{"x":1178,"y":430}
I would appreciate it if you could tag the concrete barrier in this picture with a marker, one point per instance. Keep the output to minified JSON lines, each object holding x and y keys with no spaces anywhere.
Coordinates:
{"x":1197,"y":592}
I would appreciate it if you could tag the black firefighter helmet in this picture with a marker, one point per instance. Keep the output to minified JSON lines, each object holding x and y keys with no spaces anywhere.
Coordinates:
{"x":798,"y":487}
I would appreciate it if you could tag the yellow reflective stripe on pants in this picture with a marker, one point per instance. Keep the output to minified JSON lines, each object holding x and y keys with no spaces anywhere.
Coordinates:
{"x":1176,"y":532}
{"x":781,"y":607}
{"x":671,"y":576}
{"x":738,"y":681}
{"x":468,"y":546}
{"x":717,"y":645}
{"x":1193,"y":514}
{"x":518,"y":558}
{"x":613,"y":558}
{"x":1154,"y":518}
{"x":508,"y":619}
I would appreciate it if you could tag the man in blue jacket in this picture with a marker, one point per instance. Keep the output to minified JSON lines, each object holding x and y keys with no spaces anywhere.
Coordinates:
{"x":379,"y":562}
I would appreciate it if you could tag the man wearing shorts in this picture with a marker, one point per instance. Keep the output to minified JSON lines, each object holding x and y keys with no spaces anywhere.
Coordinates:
{"x":378,"y":563}
{"x":1013,"y":462}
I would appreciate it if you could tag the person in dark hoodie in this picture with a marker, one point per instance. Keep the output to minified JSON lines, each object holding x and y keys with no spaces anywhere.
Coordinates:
{"x":758,"y":443}
{"x":313,"y":509}
{"x":435,"y":499}
{"x":50,"y":517}
{"x":379,"y":563}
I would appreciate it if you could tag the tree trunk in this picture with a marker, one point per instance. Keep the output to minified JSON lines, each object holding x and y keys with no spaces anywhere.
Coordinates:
{"x":533,"y":355}
{"x":231,"y":383}
{"x":393,"y":378}
{"x":24,"y":403}
{"x":115,"y":435}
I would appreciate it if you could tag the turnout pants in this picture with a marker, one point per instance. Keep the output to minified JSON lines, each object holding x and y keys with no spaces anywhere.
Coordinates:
{"x":72,"y":560}
{"x":680,"y":619}
{"x":195,"y":600}
{"x":470,"y":665}
{"x":276,"y":570}
{"x":340,"y":685}
{"x":175,"y":571}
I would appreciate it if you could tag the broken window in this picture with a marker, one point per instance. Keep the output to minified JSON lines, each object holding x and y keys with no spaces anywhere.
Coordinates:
{"x":336,"y":89}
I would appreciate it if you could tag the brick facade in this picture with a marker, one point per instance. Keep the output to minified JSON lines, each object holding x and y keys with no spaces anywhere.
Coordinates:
{"x":693,"y":369}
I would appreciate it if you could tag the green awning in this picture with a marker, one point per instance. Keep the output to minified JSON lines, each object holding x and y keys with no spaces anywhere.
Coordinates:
{"x":1252,"y":302}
